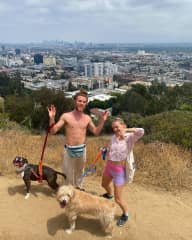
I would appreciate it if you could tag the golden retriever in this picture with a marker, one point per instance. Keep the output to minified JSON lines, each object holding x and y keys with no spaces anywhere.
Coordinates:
{"x":77,"y":202}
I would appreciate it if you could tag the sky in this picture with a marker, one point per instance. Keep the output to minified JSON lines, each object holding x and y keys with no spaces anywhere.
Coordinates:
{"x":96,"y":21}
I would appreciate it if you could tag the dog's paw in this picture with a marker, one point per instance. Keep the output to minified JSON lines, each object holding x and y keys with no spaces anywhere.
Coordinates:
{"x":68,"y":231}
{"x":27,"y":195}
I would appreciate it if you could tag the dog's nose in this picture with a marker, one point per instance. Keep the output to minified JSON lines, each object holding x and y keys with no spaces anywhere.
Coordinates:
{"x":63,"y":203}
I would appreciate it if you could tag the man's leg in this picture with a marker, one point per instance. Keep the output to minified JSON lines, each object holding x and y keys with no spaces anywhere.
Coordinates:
{"x":78,"y":167}
{"x":68,"y":168}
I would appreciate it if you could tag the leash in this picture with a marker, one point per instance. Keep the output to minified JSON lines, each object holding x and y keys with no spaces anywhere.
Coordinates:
{"x":92,"y":167}
{"x":35,"y":174}
{"x":97,"y":157}
{"x":42,"y":154}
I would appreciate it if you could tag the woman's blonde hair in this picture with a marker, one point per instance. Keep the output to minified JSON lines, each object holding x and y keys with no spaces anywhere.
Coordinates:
{"x":120,"y":120}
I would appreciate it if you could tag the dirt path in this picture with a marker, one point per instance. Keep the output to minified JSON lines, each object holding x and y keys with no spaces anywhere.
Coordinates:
{"x":154,"y":214}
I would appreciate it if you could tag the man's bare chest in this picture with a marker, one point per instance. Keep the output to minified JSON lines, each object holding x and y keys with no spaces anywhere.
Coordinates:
{"x":77,"y":124}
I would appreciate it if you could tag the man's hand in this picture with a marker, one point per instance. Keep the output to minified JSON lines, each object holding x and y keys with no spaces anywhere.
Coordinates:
{"x":51,"y":111}
{"x":105,"y":115}
{"x":100,"y":113}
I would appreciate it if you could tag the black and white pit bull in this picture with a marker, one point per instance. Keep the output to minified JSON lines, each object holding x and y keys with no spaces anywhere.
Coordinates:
{"x":30,"y":172}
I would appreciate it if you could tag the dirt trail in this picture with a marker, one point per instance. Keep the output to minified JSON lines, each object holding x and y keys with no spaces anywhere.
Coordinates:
{"x":154,"y":214}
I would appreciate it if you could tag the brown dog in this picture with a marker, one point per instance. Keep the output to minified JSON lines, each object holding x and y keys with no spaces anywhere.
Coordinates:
{"x":78,"y":202}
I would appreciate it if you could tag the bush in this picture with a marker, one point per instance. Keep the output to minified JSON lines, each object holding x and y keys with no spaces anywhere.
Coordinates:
{"x":170,"y":127}
{"x":6,"y":124}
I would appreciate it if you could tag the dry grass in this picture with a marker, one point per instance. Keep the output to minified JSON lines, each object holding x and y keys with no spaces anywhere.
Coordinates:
{"x":21,"y":143}
{"x":164,"y":165}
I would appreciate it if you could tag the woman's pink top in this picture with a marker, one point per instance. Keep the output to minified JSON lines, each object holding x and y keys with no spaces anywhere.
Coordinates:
{"x":119,"y":149}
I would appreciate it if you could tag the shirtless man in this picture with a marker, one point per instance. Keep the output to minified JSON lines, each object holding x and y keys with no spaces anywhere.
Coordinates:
{"x":76,"y":123}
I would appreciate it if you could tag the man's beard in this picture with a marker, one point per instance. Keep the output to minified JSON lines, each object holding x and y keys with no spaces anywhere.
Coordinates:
{"x":79,"y":110}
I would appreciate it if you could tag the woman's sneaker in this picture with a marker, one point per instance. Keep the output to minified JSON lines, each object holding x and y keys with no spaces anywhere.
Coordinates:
{"x":107,"y":195}
{"x":122,"y":220}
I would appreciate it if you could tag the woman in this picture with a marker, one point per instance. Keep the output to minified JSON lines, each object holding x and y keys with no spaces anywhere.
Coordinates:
{"x":121,"y":145}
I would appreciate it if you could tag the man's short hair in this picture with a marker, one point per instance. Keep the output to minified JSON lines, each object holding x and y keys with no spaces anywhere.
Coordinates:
{"x":82,"y":92}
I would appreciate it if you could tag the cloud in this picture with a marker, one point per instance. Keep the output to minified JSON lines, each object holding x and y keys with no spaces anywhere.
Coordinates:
{"x":106,"y":20}
{"x":5,"y":8}
{"x":37,"y":3}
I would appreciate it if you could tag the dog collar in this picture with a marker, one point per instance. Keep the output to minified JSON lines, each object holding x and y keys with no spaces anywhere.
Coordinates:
{"x":22,"y":168}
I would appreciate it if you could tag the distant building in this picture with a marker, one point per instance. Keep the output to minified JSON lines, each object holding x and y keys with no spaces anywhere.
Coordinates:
{"x":49,"y":61}
{"x":18,"y":51}
{"x":4,"y":61}
{"x":88,"y":70}
{"x":81,"y":65}
{"x":38,"y":58}
{"x":15,"y":62}
{"x":70,"y":61}
{"x":100,"y":69}
{"x":100,"y":97}
{"x":141,"y":52}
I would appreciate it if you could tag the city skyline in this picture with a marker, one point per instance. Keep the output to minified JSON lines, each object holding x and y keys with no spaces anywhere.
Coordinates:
{"x":99,"y":21}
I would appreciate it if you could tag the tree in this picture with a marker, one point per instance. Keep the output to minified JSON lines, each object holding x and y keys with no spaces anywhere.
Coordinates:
{"x":19,"y":108}
{"x":157,"y":88}
{"x":42,"y":99}
{"x":71,"y":87}
{"x":11,"y":85}
{"x":31,"y":110}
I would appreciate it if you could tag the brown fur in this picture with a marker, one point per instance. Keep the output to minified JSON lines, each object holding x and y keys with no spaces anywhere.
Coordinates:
{"x":78,"y":202}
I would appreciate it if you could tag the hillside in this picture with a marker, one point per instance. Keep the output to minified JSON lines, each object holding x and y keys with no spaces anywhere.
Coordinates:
{"x":159,"y":200}
{"x":159,"y":164}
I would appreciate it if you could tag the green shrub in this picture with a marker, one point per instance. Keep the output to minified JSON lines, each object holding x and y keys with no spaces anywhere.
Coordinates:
{"x":171,"y":127}
{"x":5,"y":123}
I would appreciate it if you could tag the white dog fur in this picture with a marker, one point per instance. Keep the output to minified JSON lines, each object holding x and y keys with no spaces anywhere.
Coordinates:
{"x":77,"y":202}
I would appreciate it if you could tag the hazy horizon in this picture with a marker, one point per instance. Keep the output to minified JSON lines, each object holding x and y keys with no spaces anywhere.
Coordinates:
{"x":52,"y":41}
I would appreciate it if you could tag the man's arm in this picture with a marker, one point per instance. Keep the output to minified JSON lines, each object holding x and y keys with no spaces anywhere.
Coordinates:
{"x":54,"y":127}
{"x":97,"y":129}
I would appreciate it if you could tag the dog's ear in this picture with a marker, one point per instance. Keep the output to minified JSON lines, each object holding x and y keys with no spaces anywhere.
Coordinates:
{"x":16,"y":159}
{"x":70,"y":191}
{"x":25,"y":160}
